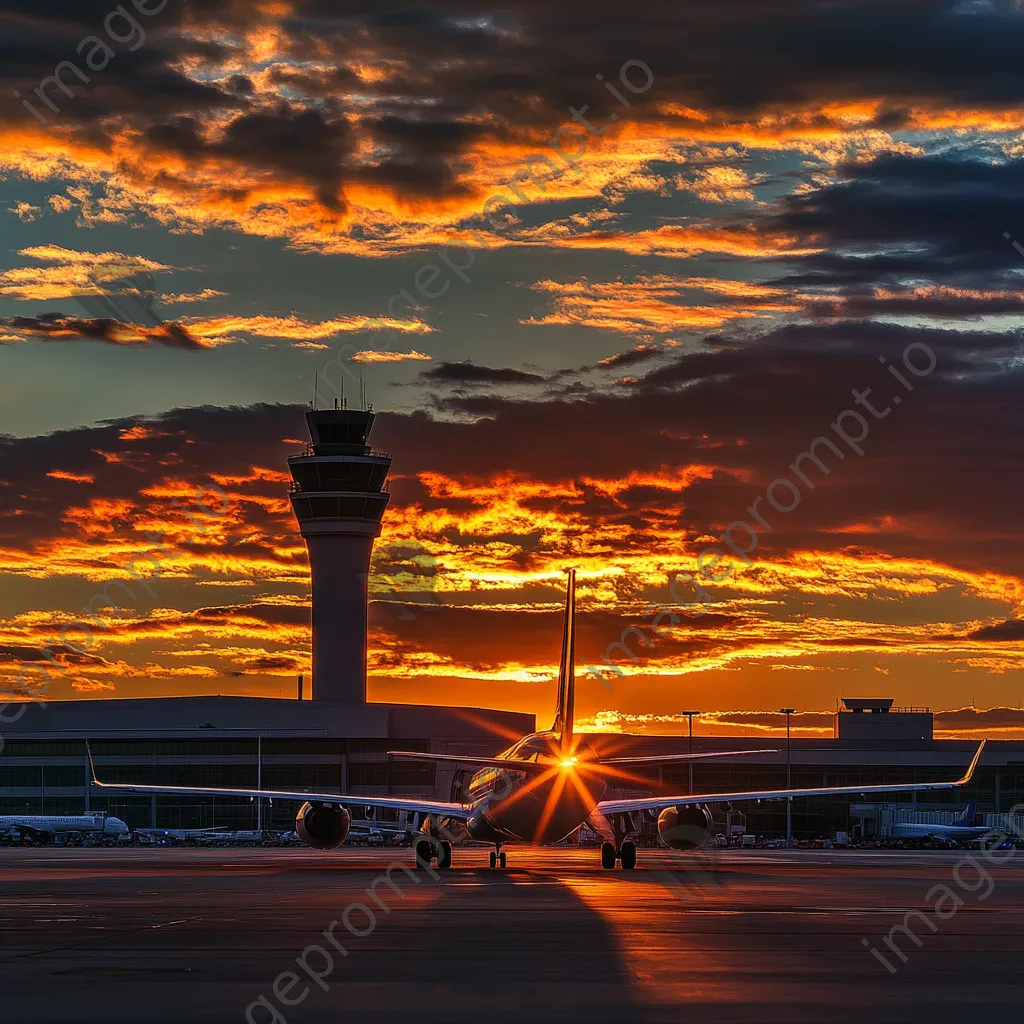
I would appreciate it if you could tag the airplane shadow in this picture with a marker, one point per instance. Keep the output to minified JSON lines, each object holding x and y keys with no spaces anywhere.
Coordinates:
{"x":508,"y":946}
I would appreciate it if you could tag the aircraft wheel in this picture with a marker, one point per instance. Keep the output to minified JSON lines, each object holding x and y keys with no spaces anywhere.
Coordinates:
{"x":494,"y":859}
{"x":627,"y":855}
{"x":444,"y":856}
{"x":423,"y":851}
{"x":607,"y":856}
{"x":501,"y":859}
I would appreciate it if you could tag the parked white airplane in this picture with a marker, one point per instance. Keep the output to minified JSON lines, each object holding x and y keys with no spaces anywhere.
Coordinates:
{"x":962,"y":830}
{"x":42,"y":826}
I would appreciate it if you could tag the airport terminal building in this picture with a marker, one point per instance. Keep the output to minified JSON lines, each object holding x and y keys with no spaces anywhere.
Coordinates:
{"x":327,"y":746}
{"x":337,"y":742}
{"x":231,"y":742}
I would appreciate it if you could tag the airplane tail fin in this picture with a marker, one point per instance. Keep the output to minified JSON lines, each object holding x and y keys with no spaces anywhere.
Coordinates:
{"x":966,"y":816}
{"x":564,"y":711}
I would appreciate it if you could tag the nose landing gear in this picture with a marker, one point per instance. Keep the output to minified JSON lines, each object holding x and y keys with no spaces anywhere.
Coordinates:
{"x":498,"y":856}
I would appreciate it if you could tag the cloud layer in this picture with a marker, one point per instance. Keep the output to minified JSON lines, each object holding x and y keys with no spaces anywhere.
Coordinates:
{"x":723,"y":233}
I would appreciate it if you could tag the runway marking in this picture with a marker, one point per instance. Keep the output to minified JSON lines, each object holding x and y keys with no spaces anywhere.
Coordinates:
{"x":102,"y":972}
{"x":167,"y":924}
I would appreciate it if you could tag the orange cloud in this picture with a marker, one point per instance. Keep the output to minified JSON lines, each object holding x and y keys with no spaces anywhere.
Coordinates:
{"x":373,"y":356}
{"x":221,"y":330}
{"x":73,"y":273}
{"x":78,"y":478}
{"x":652,"y":303}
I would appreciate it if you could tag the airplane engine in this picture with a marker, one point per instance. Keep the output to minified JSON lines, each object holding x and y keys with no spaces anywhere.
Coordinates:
{"x":322,"y":826}
{"x":684,"y":828}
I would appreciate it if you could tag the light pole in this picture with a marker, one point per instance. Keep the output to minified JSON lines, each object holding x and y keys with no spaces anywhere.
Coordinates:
{"x":691,"y":715}
{"x":259,"y":784}
{"x":789,"y":775}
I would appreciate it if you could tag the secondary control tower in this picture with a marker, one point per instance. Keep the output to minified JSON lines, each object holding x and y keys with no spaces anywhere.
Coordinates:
{"x":339,"y":493}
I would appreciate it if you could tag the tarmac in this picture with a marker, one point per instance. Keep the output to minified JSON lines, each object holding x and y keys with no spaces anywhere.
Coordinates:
{"x":111,"y":936}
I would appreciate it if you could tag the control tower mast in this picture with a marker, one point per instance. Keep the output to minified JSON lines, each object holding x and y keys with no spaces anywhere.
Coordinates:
{"x":339,"y":493}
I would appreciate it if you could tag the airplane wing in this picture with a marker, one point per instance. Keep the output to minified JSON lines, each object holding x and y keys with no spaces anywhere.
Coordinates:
{"x":542,"y":766}
{"x":451,"y":810}
{"x":37,"y":835}
{"x":477,"y":762}
{"x":657,"y":803}
{"x":655,"y":759}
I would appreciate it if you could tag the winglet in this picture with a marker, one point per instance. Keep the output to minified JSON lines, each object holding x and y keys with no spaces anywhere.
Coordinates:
{"x":974,"y":764}
{"x":92,"y":766}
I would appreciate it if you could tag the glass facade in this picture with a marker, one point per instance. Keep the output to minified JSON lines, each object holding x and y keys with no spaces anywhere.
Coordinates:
{"x":52,"y":777}
{"x":821,"y":816}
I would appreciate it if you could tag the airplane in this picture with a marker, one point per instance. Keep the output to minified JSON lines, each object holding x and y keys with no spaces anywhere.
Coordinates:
{"x":960,"y":831}
{"x":538,"y":792}
{"x":42,"y":828}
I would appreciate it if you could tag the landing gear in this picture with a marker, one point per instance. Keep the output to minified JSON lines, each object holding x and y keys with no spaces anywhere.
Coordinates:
{"x":498,"y":857}
{"x":494,"y":859}
{"x":444,"y":855}
{"x":423,"y":851}
{"x":501,"y":860}
{"x":625,"y":854}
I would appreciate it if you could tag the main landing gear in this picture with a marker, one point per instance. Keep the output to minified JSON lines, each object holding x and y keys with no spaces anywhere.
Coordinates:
{"x":425,"y":850}
{"x":625,"y":855}
{"x":498,"y":857}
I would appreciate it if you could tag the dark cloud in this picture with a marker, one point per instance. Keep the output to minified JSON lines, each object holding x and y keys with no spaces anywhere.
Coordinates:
{"x":1012,"y":629}
{"x":947,"y":484}
{"x":494,"y":72}
{"x":269,"y":614}
{"x":191,"y":444}
{"x":60,"y":327}
{"x":302,"y":145}
{"x":17,"y":654}
{"x":482,"y":637}
{"x":934,"y":467}
{"x":636,"y":356}
{"x":273,"y":664}
{"x":470,"y":373}
{"x":980,"y":718}
{"x":900,"y":218}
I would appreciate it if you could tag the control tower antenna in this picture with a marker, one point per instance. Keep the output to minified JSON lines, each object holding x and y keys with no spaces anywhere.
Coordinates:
{"x":339,"y":495}
{"x":316,"y":385}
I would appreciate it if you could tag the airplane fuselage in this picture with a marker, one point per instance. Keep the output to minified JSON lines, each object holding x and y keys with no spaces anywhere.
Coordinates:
{"x":65,"y":823}
{"x":958,"y":833}
{"x":541,"y":797}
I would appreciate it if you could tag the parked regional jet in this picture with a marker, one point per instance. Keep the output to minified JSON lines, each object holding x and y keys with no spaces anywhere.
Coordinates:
{"x":539,"y":791}
{"x":962,"y":830}
{"x":42,"y":828}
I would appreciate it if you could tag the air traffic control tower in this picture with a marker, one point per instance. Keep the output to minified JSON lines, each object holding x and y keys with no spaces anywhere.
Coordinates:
{"x":339,"y":493}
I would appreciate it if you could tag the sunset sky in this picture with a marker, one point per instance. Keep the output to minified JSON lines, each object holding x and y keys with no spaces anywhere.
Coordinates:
{"x":590,"y":342}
